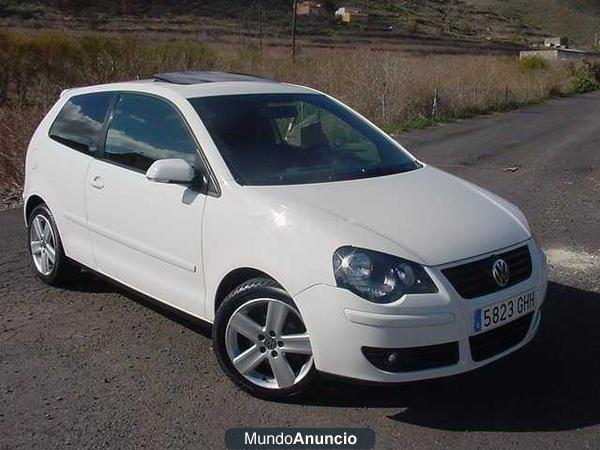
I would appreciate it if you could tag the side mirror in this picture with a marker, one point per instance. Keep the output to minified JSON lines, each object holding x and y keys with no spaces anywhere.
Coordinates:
{"x":171,"y":170}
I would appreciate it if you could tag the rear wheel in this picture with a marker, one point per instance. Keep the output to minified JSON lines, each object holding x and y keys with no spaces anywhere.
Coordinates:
{"x":261,"y":341}
{"x":45,"y":247}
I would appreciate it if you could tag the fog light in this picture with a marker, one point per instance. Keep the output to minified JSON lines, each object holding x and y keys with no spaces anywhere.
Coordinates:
{"x":392,"y":358}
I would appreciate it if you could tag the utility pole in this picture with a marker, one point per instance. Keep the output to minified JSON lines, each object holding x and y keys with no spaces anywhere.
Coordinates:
{"x":239,"y":30}
{"x":294,"y":29}
{"x":260,"y":26}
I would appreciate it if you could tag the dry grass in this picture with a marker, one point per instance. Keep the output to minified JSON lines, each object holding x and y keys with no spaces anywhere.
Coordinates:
{"x":392,"y":89}
{"x":389,"y":88}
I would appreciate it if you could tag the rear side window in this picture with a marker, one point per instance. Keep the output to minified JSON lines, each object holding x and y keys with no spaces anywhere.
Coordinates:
{"x":145,"y":129}
{"x":79,"y":124}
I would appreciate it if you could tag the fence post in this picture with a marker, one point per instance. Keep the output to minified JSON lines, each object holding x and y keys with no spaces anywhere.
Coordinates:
{"x":434,"y":106}
{"x":384,"y":107}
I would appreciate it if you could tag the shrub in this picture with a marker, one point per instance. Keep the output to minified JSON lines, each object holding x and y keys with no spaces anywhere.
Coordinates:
{"x":21,"y":10}
{"x":586,"y":77}
{"x":532,"y":63}
{"x":36,"y":67}
{"x":330,"y":6}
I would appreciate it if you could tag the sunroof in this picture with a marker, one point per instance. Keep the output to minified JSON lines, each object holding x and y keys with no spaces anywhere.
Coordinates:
{"x":194,"y":77}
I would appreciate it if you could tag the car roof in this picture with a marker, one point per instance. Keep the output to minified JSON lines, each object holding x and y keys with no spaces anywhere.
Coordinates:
{"x":205,"y":76}
{"x":190,"y":84}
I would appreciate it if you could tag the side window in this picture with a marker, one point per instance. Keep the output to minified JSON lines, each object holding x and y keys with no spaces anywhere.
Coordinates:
{"x":145,"y":129}
{"x":79,"y":124}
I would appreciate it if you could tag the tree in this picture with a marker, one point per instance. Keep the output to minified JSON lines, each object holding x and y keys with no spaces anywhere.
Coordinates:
{"x":330,"y":6}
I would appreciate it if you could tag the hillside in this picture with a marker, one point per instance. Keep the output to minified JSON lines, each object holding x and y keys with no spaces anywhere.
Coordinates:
{"x":499,"y":24}
{"x":579,"y":20}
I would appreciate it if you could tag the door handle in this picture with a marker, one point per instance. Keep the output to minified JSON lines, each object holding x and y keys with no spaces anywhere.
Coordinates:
{"x":97,"y":182}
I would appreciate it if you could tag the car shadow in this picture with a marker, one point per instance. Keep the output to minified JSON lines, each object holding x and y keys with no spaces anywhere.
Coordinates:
{"x":91,"y":282}
{"x":552,"y":384}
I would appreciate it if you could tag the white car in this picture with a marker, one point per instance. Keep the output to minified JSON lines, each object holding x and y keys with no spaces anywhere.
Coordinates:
{"x":311,"y":240}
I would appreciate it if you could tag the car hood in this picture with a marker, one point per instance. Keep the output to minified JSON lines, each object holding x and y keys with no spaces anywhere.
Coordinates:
{"x":434,"y":217}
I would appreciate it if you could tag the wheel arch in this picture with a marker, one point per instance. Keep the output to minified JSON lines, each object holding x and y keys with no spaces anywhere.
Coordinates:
{"x":233,"y":279}
{"x":32,"y":202}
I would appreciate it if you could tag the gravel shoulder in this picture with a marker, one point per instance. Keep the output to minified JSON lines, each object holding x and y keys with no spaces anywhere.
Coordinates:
{"x":10,"y":199}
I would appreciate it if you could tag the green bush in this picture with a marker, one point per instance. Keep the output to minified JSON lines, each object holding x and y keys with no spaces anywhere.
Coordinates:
{"x":532,"y":63}
{"x":21,"y":10}
{"x":586,"y":77}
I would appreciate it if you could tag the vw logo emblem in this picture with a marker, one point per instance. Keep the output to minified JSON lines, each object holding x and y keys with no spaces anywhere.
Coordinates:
{"x":500,"y":272}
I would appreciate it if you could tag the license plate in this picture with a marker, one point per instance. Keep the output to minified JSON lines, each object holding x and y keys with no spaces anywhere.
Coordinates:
{"x":504,"y":311}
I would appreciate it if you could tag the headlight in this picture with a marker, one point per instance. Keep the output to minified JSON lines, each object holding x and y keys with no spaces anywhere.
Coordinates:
{"x":379,"y":277}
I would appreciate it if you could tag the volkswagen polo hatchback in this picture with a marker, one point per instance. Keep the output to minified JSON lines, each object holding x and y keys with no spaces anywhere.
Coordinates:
{"x":311,"y":240}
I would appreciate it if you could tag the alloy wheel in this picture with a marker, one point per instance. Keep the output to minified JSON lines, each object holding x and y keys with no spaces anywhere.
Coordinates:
{"x":43,"y":245}
{"x":267,"y":343}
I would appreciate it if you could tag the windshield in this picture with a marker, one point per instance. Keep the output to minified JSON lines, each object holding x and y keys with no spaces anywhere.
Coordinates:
{"x":275,"y":139}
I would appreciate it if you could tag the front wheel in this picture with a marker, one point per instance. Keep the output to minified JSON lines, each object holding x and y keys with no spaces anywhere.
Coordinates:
{"x":261,"y":341}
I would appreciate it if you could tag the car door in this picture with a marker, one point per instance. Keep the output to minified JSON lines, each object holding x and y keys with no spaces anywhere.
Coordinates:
{"x":74,"y":140}
{"x":146,"y":234}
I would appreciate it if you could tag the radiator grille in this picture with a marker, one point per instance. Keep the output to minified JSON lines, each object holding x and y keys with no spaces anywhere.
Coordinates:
{"x":475,"y":278}
{"x":498,"y":340}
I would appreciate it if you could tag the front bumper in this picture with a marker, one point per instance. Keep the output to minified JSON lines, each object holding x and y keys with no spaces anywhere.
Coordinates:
{"x":341,"y":324}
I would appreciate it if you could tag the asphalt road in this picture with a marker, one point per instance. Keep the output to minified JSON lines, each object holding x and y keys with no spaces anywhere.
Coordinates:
{"x":92,"y":366}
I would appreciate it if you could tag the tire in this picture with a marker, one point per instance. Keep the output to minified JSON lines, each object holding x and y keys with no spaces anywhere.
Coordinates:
{"x":58,"y":268}
{"x":253,"y":299}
